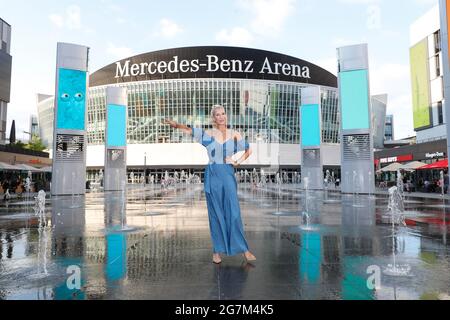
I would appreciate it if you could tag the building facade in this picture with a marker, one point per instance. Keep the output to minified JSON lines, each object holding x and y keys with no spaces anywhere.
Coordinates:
{"x":389,"y":128}
{"x":34,"y":126}
{"x":379,"y":106}
{"x":5,"y":75}
{"x":45,"y":110}
{"x":427,"y":77}
{"x":260,"y":90}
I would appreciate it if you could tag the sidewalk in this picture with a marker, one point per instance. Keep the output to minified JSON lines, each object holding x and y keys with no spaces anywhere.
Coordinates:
{"x":416,"y":194}
{"x":378,"y":191}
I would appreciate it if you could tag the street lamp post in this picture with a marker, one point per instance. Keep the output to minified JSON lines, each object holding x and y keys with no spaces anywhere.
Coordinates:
{"x":1,"y":133}
{"x":29,"y":133}
{"x":145,"y":167}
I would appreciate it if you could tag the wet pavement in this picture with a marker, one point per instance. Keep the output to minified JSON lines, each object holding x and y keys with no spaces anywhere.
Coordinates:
{"x":156,"y":245}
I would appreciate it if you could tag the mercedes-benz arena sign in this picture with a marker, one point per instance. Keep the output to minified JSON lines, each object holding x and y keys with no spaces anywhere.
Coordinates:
{"x":212,"y":62}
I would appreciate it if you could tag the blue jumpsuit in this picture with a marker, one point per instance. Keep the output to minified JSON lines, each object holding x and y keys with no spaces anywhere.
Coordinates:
{"x":227,"y":232}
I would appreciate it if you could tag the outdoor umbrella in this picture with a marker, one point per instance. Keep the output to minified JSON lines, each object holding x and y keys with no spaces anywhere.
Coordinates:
{"x":442,"y":164}
{"x":413,"y":165}
{"x":6,"y":166}
{"x":46,"y":169}
{"x":26,"y":167}
{"x":392,"y":167}
{"x":12,"y":133}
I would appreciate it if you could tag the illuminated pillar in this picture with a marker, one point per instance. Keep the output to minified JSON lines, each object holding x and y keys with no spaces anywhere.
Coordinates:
{"x":444,"y":8}
{"x":68,"y":248}
{"x":69,"y":137}
{"x":116,"y":241}
{"x":116,"y":139}
{"x":357,"y":163}
{"x":311,"y":137}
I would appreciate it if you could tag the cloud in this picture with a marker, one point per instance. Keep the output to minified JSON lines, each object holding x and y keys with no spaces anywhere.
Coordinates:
{"x":70,"y":19}
{"x":394,"y":79}
{"x":115,"y":7}
{"x":329,"y":64}
{"x":269,"y":16}
{"x":268,"y":19}
{"x":359,"y":1}
{"x":427,"y":2}
{"x":121,"y":20}
{"x":342,"y":42}
{"x":235,"y":37}
{"x":119,"y":52}
{"x":168,"y":28}
{"x":373,"y":21}
{"x":373,"y":12}
{"x":388,"y":74}
{"x":111,"y":6}
{"x":57,"y":20}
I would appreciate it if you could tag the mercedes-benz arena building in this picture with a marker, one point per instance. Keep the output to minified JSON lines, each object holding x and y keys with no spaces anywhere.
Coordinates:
{"x":260,"y":90}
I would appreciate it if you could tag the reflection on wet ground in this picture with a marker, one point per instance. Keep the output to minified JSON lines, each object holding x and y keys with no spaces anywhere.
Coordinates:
{"x":156,"y":245}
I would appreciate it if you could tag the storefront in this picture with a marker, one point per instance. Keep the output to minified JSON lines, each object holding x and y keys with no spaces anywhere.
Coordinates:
{"x":427,"y":153}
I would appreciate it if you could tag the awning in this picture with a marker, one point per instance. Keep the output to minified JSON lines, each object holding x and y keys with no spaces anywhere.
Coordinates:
{"x":443,"y":164}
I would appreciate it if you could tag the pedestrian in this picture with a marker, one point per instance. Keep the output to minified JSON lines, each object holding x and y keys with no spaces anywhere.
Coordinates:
{"x":220,"y":185}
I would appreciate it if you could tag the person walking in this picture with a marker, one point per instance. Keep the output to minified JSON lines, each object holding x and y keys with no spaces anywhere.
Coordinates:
{"x":220,"y":185}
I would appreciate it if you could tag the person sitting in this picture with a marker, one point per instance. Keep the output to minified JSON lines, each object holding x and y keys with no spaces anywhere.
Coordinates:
{"x":407,"y":186}
{"x":6,"y":196}
{"x":427,"y":186}
{"x":446,"y":182}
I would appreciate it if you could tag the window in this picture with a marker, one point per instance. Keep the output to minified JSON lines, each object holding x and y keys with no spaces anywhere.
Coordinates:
{"x":268,"y":112}
{"x":437,"y":41}
{"x":440,"y":113}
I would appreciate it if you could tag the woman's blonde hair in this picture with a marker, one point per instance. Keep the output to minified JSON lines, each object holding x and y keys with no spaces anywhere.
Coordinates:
{"x":213,"y":110}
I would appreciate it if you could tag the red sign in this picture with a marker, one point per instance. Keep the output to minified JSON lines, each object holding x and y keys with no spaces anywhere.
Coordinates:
{"x":404,"y":158}
{"x":408,"y":157}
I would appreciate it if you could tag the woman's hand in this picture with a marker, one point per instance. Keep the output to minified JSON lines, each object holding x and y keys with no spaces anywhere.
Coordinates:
{"x":171,"y":123}
{"x":230,"y":160}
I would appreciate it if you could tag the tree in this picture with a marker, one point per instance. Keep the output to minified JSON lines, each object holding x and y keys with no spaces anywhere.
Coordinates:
{"x":18,"y":144}
{"x":35,"y":144}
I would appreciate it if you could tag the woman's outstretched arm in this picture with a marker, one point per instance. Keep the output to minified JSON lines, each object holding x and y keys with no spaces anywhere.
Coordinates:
{"x":244,"y":157}
{"x":180,"y":126}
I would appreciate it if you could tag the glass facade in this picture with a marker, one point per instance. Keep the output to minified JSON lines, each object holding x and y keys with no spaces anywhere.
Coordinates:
{"x":264,"y":111}
{"x":5,"y":76}
{"x":389,"y":128}
{"x":5,"y":36}
{"x":46,"y":116}
{"x":330,"y":116}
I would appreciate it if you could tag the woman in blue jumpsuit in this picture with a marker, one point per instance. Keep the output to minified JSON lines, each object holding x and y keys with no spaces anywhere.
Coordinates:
{"x":227,"y":232}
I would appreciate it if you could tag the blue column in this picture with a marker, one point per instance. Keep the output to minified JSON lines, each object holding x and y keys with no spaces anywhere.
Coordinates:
{"x":69,"y":137}
{"x":357,"y":163}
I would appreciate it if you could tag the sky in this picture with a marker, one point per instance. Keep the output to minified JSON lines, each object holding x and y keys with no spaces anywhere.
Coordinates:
{"x":307,"y":29}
